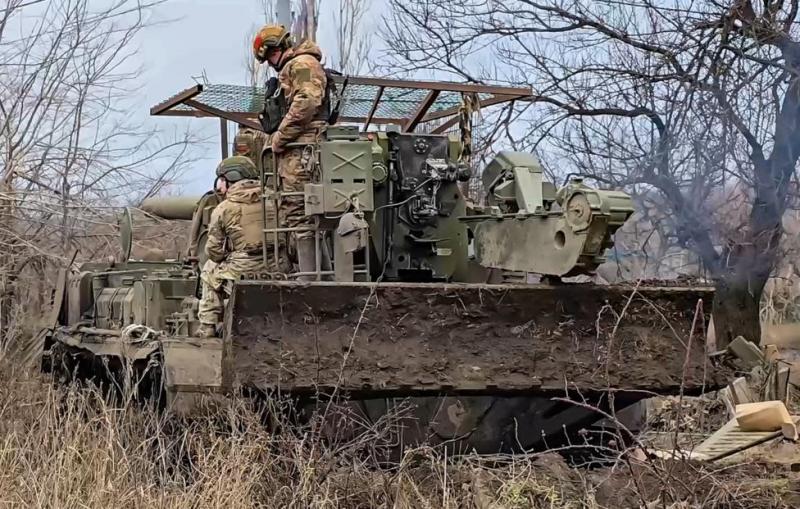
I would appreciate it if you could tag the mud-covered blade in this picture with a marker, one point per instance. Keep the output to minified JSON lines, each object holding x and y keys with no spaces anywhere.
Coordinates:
{"x":400,"y":339}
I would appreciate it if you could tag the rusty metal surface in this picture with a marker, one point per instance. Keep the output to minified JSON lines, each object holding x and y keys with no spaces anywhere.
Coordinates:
{"x":166,"y":106}
{"x":420,"y":111}
{"x":366,"y":100}
{"x":464,"y":339}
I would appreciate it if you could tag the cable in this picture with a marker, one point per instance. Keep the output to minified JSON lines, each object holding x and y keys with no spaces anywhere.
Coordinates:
{"x":392,"y":205}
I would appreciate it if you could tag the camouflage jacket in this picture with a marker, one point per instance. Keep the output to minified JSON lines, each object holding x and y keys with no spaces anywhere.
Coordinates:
{"x":249,"y":142}
{"x":237,"y":224}
{"x":303,"y":81}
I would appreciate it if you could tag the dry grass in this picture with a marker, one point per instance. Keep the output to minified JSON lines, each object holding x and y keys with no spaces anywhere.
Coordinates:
{"x":68,"y":448}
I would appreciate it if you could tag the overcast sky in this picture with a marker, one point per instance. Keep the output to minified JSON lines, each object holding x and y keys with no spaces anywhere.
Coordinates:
{"x":210,"y":36}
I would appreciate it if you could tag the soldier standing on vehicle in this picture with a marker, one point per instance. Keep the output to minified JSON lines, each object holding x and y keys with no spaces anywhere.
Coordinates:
{"x":235,"y":239}
{"x":303,"y":84}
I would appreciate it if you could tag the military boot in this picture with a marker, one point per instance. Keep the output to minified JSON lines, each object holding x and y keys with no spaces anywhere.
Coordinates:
{"x":306,"y":258}
{"x":207,"y":330}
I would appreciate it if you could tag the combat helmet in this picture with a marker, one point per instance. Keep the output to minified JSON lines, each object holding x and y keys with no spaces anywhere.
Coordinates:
{"x":236,"y":168}
{"x":270,"y":36}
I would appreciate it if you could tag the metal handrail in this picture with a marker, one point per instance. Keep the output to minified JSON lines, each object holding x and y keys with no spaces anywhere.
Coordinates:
{"x":277,"y":229}
{"x":277,"y":194}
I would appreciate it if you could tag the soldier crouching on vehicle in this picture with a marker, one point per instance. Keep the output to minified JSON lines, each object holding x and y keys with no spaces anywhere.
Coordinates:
{"x":303,"y":84}
{"x":235,"y":239}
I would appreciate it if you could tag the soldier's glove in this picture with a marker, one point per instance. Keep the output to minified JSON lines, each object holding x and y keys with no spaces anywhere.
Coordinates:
{"x":277,"y":148}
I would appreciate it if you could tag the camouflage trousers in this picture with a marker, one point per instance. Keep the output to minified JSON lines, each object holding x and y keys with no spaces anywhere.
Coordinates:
{"x":217,"y":281}
{"x":294,"y":166}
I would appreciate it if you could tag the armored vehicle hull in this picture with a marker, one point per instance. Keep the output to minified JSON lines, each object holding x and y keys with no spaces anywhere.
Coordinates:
{"x":473,"y":367}
{"x":416,"y":303}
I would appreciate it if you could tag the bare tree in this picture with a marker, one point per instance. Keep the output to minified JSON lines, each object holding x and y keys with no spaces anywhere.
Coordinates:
{"x":269,"y":10}
{"x":352,"y":35}
{"x":697,"y":101}
{"x":257,"y":73}
{"x":306,"y":20}
{"x":69,"y":153}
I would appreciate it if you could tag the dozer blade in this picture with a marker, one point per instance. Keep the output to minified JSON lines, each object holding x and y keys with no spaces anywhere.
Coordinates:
{"x":417,"y":339}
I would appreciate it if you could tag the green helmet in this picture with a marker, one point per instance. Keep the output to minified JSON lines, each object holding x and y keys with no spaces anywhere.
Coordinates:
{"x":237,"y":168}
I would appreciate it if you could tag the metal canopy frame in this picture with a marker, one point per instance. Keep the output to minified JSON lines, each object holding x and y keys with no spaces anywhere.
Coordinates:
{"x":366,"y":100}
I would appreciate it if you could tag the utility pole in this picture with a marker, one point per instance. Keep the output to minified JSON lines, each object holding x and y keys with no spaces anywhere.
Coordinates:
{"x":304,"y":24}
{"x":283,"y":12}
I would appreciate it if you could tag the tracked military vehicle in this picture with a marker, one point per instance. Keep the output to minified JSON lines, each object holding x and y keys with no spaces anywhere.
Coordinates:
{"x":461,"y":310}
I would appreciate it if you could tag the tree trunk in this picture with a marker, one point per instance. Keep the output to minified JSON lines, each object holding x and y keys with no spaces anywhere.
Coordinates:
{"x":5,"y":309}
{"x":736,"y":310}
{"x":748,"y":266}
{"x":7,"y":261}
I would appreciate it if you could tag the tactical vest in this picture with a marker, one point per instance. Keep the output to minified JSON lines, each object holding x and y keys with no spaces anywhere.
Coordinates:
{"x":275,"y":106}
{"x":245,"y":224}
{"x":251,"y":236}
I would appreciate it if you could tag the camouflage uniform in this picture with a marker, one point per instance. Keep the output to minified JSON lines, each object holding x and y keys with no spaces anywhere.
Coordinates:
{"x":249,"y":143}
{"x":234,"y":246}
{"x":303,"y":81}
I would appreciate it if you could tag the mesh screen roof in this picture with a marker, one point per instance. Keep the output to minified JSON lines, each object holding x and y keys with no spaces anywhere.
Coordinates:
{"x":229,"y":98}
{"x":398,"y":103}
{"x":397,"y":100}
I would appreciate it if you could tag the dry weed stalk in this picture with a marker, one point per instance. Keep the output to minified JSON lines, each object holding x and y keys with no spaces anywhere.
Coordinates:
{"x":70,"y":447}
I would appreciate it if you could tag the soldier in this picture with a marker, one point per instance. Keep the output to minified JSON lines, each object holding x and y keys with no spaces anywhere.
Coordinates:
{"x":304,"y":85}
{"x":248,"y":142}
{"x":235,"y":238}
